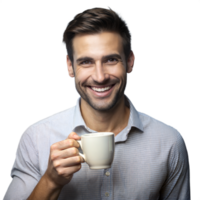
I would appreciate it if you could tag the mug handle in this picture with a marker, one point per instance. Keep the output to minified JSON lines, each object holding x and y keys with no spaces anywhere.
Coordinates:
{"x":83,"y":156}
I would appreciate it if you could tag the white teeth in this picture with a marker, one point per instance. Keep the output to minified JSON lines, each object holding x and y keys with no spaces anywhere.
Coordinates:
{"x":101,"y":89}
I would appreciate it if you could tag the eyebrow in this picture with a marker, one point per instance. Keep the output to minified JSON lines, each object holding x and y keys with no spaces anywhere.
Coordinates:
{"x":103,"y":58}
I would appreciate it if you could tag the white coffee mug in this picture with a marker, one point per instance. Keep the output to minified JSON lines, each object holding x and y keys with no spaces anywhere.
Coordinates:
{"x":98,"y":149}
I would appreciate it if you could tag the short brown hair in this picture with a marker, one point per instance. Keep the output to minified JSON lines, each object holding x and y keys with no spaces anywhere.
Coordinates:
{"x":97,"y":20}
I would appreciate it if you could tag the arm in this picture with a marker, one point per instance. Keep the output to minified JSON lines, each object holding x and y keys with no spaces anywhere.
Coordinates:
{"x":64,"y":161}
{"x":45,"y":189}
{"x":26,"y":175}
{"x":177,"y":185}
{"x":25,"y":171}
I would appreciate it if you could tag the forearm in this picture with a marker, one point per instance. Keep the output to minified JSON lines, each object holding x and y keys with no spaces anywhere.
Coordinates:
{"x":45,"y":190}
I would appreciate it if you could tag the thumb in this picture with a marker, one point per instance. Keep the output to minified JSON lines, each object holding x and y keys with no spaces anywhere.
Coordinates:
{"x":74,"y":135}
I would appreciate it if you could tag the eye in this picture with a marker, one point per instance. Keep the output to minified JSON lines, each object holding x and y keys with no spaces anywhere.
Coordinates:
{"x":107,"y":60}
{"x":84,"y":61}
{"x":113,"y":59}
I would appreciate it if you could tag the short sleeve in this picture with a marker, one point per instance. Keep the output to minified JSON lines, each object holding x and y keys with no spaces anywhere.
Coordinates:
{"x":177,"y":185}
{"x":25,"y":171}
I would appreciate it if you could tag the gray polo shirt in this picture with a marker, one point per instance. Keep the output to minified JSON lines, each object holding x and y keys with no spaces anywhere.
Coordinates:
{"x":150,"y":163}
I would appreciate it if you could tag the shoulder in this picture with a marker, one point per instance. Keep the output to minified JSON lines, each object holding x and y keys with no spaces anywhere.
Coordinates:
{"x":163,"y":133}
{"x":53,"y":126}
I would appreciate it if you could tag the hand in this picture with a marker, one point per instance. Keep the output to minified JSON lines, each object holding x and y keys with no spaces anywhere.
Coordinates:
{"x":64,"y":161}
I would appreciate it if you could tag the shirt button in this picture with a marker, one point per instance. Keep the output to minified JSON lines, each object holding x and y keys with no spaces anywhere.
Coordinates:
{"x":107,"y":173}
{"x":107,"y":194}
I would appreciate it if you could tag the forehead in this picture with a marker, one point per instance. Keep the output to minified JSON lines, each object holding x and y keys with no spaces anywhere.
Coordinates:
{"x":97,"y":45}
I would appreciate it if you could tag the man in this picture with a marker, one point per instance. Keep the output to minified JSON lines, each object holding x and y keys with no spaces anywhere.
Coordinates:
{"x":150,"y":160}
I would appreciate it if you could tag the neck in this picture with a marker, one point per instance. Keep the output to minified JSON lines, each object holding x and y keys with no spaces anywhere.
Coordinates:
{"x":113,"y":120}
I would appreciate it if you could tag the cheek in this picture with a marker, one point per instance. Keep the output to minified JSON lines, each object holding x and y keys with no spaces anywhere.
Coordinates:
{"x":119,"y":73}
{"x":81,"y":78}
{"x":117,"y":70}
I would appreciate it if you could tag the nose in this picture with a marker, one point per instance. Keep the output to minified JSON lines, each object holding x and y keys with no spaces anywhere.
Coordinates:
{"x":100,"y":74}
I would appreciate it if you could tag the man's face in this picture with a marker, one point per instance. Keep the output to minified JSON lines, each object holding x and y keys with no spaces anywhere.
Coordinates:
{"x":99,"y":68}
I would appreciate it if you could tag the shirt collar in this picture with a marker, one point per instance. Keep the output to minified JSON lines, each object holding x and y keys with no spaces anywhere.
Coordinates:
{"x":134,"y":119}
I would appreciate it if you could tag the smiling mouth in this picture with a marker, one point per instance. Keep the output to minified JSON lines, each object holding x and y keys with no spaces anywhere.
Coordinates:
{"x":103,"y":86}
{"x":101,"y":89}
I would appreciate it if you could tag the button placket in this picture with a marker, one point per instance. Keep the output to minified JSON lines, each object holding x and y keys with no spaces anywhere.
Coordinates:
{"x":107,"y":194}
{"x":107,"y":173}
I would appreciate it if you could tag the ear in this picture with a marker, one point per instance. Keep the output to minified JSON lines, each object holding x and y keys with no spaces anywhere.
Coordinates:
{"x":70,"y":67}
{"x":130,"y":62}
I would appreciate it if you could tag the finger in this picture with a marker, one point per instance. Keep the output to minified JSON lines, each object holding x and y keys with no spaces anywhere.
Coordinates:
{"x":66,"y":153}
{"x":66,"y":171}
{"x":64,"y":144}
{"x":82,"y":159}
{"x":74,"y":135}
